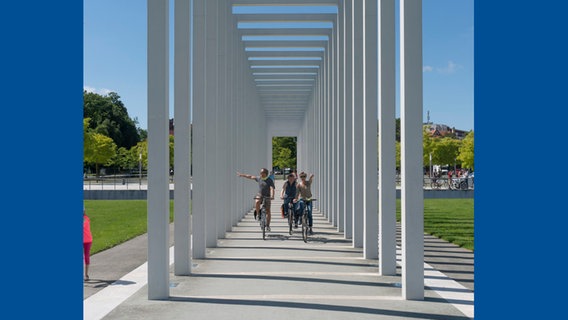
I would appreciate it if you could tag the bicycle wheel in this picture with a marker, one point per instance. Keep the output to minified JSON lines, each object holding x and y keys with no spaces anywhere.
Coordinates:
{"x":305,"y":226}
{"x":263,"y":223}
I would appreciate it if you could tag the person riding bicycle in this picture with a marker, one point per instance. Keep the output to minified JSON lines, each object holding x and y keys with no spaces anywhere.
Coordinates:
{"x":303,"y":199}
{"x":288,"y":193}
{"x":265,"y":189}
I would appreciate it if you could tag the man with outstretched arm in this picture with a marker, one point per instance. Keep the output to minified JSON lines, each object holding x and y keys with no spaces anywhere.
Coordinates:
{"x":265,"y":189}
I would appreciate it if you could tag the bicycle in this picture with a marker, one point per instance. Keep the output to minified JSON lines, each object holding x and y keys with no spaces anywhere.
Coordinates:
{"x":305,"y":227}
{"x":262,"y":218}
{"x":438,"y":183}
{"x":458,"y":184}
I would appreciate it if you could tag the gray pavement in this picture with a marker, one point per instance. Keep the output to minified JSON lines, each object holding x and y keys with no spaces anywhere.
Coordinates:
{"x":282,"y":277}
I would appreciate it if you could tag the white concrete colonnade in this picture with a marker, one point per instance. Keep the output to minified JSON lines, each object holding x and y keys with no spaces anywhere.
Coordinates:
{"x":327,"y":79}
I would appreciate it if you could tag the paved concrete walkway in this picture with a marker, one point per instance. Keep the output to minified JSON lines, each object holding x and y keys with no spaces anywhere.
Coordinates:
{"x":282,"y":277}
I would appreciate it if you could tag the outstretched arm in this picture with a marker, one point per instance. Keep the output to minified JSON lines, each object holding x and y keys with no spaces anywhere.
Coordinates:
{"x":244,"y":175}
{"x":311,"y":178}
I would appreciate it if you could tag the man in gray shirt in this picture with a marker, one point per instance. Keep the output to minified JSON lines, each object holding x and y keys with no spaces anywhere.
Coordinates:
{"x":265,"y":189}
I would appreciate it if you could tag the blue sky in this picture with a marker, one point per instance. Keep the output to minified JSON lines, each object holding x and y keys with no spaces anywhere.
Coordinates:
{"x":115,"y":57}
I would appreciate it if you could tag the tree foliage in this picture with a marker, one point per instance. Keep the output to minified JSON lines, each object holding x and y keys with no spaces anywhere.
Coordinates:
{"x":445,"y":151}
{"x":140,"y":153}
{"x":101,"y":150}
{"x":466,"y":152}
{"x":284,"y":152}
{"x":109,"y":117}
{"x":88,"y":140}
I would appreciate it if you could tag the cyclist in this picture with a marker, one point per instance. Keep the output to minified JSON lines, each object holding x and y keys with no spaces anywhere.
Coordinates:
{"x":265,"y":189}
{"x":288,"y":193}
{"x":303,"y":199}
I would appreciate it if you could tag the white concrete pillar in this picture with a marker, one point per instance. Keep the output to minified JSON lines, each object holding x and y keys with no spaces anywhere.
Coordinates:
{"x":234,"y":146}
{"x":221,"y":158}
{"x":348,"y":120}
{"x":411,"y":149}
{"x":370,"y":114}
{"x":211,"y":101}
{"x":238,"y":130}
{"x":158,"y":150}
{"x":340,"y":109}
{"x":387,"y":137}
{"x":198,"y":120}
{"x":325,"y":136}
{"x":182,"y":160}
{"x":333,"y":127}
{"x":358,"y":122}
{"x":334,"y":121}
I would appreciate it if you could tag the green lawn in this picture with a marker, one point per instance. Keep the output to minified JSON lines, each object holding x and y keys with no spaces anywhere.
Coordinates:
{"x":448,"y":219}
{"x":116,"y":221}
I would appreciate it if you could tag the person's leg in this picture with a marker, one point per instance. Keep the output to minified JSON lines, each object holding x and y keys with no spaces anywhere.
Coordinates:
{"x":267,"y":203}
{"x":299,"y":212}
{"x":87,"y":255}
{"x":257,"y":208}
{"x":285,"y":207}
{"x":310,"y":220}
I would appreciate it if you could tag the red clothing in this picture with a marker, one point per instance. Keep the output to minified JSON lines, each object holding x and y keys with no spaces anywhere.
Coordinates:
{"x":87,"y":236}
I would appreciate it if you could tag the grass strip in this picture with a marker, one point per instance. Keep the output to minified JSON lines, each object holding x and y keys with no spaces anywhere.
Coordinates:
{"x":448,"y":219}
{"x":116,"y":221}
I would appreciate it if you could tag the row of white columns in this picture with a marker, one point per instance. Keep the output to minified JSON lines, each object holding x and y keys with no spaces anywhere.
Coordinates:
{"x":224,"y":133}
{"x":355,"y":87}
{"x":338,"y":140}
{"x":228,"y":123}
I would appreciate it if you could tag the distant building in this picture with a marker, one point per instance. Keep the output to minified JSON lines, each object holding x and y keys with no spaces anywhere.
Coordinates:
{"x":442,"y":130}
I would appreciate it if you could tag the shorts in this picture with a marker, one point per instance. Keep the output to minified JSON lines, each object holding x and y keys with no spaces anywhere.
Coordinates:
{"x":266,"y":200}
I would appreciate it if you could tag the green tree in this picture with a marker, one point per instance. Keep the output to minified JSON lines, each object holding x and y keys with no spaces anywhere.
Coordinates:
{"x":284,"y":152}
{"x":124,"y":159}
{"x":445,"y":151}
{"x":102,"y":152}
{"x":466,"y":152}
{"x":110,"y":118}
{"x":88,"y":140}
{"x":398,"y":154}
{"x":427,"y":146}
{"x":140,"y":151}
{"x":284,"y":159}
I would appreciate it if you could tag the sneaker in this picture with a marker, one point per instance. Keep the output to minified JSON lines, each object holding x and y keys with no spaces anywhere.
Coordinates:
{"x":311,"y":232}
{"x":295,"y":225}
{"x":267,"y":228}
